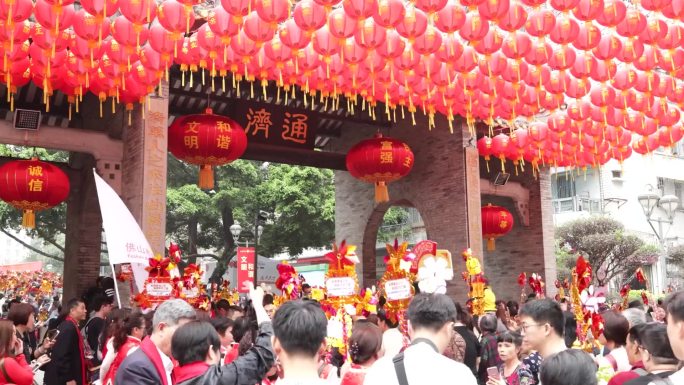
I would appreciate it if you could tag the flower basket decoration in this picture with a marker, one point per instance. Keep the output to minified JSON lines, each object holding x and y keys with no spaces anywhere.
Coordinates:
{"x":288,"y":282}
{"x":586,"y":305}
{"x":158,"y":286}
{"x":341,"y":281}
{"x":474,"y":277}
{"x":434,"y":270}
{"x":396,"y":285}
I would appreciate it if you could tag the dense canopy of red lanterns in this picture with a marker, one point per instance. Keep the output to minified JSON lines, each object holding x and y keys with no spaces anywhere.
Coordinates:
{"x":579,"y":82}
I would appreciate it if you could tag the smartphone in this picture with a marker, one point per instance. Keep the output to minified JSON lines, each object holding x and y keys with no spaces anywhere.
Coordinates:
{"x":52,"y":334}
{"x":493,"y":372}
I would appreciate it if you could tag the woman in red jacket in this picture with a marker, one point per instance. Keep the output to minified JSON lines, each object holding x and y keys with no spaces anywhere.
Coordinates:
{"x":13,"y":366}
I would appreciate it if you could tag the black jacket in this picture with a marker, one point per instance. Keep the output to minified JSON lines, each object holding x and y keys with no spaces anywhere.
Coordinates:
{"x":248,"y":369}
{"x":66,"y":363}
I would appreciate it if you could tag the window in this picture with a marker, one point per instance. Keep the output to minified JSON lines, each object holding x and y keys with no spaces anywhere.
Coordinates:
{"x":679,"y":193}
{"x":661,"y":186}
{"x":563,"y":186}
{"x":617,"y":174}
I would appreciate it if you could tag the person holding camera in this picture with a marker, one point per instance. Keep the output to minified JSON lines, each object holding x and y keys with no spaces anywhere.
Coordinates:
{"x":13,"y":366}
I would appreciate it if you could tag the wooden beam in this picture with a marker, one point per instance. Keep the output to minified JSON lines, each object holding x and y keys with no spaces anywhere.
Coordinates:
{"x":320,"y":159}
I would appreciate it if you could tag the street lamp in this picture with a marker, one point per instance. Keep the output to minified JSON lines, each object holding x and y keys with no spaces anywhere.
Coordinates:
{"x":669,"y":204}
{"x":235,"y":230}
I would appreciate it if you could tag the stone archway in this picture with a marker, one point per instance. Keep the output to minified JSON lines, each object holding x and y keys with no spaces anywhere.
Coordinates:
{"x":370,"y":236}
{"x":443,"y":186}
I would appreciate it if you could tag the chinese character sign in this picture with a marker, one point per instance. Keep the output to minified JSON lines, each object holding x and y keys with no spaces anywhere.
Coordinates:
{"x":380,"y":160}
{"x":276,"y":125}
{"x":211,"y":140}
{"x":245,"y":267}
{"x":32,"y":185}
{"x":496,"y":222}
{"x":154,"y":175}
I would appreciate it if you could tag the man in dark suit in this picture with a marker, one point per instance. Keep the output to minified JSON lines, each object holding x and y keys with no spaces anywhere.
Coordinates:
{"x":151,"y":364}
{"x":68,"y":366}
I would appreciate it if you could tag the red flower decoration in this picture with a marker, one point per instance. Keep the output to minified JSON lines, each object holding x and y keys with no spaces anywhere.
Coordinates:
{"x":644,"y":297}
{"x":522,"y":278}
{"x":285,"y":273}
{"x":640,"y":276}
{"x":174,"y":252}
{"x":159,"y":267}
{"x":583,"y":270}
{"x":624,"y":292}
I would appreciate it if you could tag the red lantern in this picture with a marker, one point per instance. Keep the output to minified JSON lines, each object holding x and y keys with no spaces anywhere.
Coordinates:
{"x":450,"y":18}
{"x":613,"y":13}
{"x":32,"y":185}
{"x":273,"y":11}
{"x":206,"y":140}
{"x":540,"y":23}
{"x":380,"y":160}
{"x":496,"y":222}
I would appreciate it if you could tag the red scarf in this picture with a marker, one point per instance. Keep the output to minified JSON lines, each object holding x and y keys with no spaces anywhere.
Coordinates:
{"x":120,"y":357}
{"x":81,"y":356}
{"x":150,"y":350}
{"x":190,"y":371}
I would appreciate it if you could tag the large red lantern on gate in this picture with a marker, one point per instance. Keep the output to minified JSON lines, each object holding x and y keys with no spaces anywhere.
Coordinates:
{"x":32,"y":185}
{"x":496,"y":222}
{"x":206,"y":140}
{"x":380,"y":160}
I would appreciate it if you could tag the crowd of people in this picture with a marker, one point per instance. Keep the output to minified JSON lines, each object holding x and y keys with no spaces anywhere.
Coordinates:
{"x":260,"y":343}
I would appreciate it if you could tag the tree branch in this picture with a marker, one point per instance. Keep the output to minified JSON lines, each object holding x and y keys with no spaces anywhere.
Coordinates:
{"x":50,"y":240}
{"x":26,"y":245}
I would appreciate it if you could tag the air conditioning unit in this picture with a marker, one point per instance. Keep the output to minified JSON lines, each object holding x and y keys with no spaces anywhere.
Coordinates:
{"x":27,"y":119}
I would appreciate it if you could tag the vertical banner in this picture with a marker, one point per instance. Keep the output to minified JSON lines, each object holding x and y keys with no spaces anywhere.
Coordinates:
{"x":245,"y":267}
{"x":154,"y":172}
{"x":126,"y":242}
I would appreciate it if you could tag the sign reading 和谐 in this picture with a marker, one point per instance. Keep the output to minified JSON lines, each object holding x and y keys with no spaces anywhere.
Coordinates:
{"x":245,"y":267}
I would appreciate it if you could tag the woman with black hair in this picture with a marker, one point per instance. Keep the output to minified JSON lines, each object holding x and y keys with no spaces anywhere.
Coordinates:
{"x":489,"y":347}
{"x":126,"y":338}
{"x":569,"y":367}
{"x":196,"y":346}
{"x":512,"y":371}
{"x":365,"y":347}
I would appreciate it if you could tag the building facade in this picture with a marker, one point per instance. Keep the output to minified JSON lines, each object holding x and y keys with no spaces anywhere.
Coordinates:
{"x":613,"y":190}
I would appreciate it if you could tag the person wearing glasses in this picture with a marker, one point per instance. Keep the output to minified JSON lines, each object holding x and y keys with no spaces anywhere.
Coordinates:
{"x":542,"y":325}
{"x":656,"y":353}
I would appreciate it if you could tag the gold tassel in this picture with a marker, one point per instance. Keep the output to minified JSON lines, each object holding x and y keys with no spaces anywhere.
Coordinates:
{"x":491,"y":244}
{"x":28,"y":220}
{"x":381,"y":193}
{"x":206,"y":177}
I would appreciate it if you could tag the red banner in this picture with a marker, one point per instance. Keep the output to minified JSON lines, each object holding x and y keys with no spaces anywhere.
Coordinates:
{"x":245,"y":267}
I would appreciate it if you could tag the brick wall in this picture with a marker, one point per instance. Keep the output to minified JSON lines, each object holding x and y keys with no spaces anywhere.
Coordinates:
{"x":84,"y":229}
{"x":435,"y":186}
{"x":525,"y":248}
{"x":451,"y":212}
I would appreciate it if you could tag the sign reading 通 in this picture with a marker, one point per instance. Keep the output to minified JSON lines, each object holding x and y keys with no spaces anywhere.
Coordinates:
{"x":275,"y":125}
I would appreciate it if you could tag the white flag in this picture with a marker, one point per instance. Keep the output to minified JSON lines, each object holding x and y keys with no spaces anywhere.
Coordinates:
{"x":126,"y":242}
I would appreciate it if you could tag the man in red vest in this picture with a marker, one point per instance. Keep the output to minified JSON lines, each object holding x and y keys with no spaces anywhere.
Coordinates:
{"x":152,"y":363}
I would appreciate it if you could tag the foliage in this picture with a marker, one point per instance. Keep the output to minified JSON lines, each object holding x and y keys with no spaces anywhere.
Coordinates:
{"x":393,"y":224}
{"x":51,"y":224}
{"x":300,"y":201}
{"x":675,"y":256}
{"x":565,"y":262}
{"x":604,"y":244}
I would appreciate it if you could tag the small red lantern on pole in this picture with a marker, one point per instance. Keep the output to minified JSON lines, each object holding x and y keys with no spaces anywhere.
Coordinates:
{"x":496,"y":222}
{"x":32,"y":185}
{"x":206,"y":140}
{"x":380,"y":160}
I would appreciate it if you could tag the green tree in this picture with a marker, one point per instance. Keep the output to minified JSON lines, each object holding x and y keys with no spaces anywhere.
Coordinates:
{"x":300,"y":201}
{"x":51,"y":224}
{"x":604,"y":244}
{"x":394,"y":223}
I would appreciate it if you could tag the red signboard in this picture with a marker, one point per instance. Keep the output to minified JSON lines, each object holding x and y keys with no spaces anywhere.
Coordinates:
{"x":245,"y":267}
